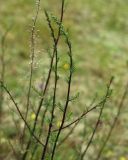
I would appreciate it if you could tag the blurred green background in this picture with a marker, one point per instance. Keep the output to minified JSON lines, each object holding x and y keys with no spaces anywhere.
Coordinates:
{"x":99,"y":35}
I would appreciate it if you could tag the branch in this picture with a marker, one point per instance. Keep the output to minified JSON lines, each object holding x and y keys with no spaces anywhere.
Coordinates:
{"x":49,"y":73}
{"x":68,"y":95}
{"x":17,"y":108}
{"x":114,"y":123}
{"x":32,"y":61}
{"x":56,"y":77}
{"x":82,"y":115}
{"x":76,"y":123}
{"x":99,"y":117}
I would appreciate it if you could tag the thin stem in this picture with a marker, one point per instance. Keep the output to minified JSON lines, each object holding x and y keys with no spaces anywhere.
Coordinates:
{"x":113,"y":124}
{"x":97,"y":123}
{"x":32,"y":61}
{"x":42,"y":99}
{"x":55,"y":85}
{"x":17,"y":108}
{"x":76,"y":123}
{"x":68,"y":134}
{"x":40,"y":133}
{"x":67,"y":98}
{"x":52,"y":113}
{"x":81,"y":116}
{"x":49,"y":72}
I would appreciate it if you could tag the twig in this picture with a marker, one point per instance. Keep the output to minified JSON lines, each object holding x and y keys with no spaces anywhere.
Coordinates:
{"x":55,"y":85}
{"x":17,"y":108}
{"x":49,"y":73}
{"x":76,"y":123}
{"x":113,"y":124}
{"x":82,"y":115}
{"x":67,"y":98}
{"x":40,"y":133}
{"x":99,"y":117}
{"x":68,"y":134}
{"x":32,"y":61}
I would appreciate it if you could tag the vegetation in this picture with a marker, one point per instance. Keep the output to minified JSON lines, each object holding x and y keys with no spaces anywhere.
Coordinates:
{"x":64,"y":83}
